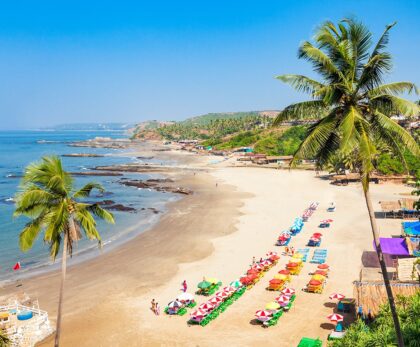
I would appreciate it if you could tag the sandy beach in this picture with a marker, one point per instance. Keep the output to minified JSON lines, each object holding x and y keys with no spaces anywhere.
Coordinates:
{"x":215,"y":232}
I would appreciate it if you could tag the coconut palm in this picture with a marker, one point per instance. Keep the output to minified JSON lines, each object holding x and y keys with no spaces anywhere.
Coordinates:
{"x":4,"y":340}
{"x":47,"y":196}
{"x":353,"y":107}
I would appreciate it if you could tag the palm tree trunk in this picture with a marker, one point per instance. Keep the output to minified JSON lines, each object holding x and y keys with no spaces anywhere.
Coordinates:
{"x":60,"y":299}
{"x":383,"y":268}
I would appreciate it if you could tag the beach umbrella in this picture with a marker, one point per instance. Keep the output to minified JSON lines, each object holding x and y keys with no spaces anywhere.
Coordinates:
{"x":185,"y":297}
{"x":206,"y":306}
{"x":245,"y":280}
{"x":281,"y":277}
{"x":257,"y":267}
{"x":252,"y":277}
{"x":175,"y":304}
{"x":276,"y":281}
{"x":212,"y":280}
{"x":321,"y":272}
{"x":288,"y":291}
{"x":215,"y":300}
{"x":317,"y":235}
{"x":323,"y":266}
{"x":337,"y":296}
{"x":314,"y":282}
{"x":282,"y":299}
{"x":284,"y":272}
{"x":263,"y":315}
{"x":272,"y":306}
{"x":318,"y":277}
{"x":274,"y":257}
{"x":315,"y":239}
{"x":223,"y":295}
{"x":204,"y":285}
{"x":296,"y":260}
{"x":252,"y":271}
{"x":292,"y":265}
{"x":199,"y":313}
{"x":266,"y":263}
{"x":297,"y":256}
{"x":235,"y":284}
{"x":335,"y":317}
{"x":229,"y":290}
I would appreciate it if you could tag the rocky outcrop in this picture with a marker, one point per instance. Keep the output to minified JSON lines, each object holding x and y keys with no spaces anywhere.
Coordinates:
{"x":155,"y":184}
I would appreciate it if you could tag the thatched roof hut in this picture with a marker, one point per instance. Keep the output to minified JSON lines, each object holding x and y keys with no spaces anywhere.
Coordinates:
{"x":371,"y":295}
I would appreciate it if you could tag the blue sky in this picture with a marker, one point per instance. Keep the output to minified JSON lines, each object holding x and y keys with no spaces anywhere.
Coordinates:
{"x":111,"y":61}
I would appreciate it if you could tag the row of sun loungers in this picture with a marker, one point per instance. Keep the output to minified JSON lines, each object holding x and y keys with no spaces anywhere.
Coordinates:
{"x":318,"y":279}
{"x":309,"y":211}
{"x":319,"y":256}
{"x":211,"y":309}
{"x":274,"y":310}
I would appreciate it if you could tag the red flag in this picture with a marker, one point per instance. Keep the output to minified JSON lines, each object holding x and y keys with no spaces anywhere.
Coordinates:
{"x":17,"y":266}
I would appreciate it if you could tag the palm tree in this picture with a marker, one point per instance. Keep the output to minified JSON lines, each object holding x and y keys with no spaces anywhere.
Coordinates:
{"x":4,"y":340}
{"x":47,"y":196}
{"x":352,"y":107}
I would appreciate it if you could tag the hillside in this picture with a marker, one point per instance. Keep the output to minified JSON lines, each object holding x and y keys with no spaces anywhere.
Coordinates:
{"x":209,"y":117}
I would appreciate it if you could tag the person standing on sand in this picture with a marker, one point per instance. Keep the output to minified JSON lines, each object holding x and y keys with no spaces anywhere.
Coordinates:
{"x":153,"y":308}
{"x":253,"y":260}
{"x":184,"y":286}
{"x":157,"y":310}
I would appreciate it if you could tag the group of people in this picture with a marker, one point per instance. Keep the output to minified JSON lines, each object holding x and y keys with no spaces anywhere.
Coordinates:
{"x":155,"y":305}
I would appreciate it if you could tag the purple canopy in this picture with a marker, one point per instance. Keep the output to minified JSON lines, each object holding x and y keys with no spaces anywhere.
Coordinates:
{"x":393,"y":246}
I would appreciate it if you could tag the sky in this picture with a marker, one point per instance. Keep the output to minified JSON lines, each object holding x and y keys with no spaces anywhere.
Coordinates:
{"x":129,"y":61}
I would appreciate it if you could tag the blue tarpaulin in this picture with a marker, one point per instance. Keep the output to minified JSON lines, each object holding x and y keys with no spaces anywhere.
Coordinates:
{"x":412,"y":228}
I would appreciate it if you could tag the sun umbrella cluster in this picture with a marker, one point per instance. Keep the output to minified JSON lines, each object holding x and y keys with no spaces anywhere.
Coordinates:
{"x":208,"y":286}
{"x":180,"y":304}
{"x":318,"y":280}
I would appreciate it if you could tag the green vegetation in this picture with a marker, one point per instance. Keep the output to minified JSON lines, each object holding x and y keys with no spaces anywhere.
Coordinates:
{"x":4,"y":340}
{"x":208,"y":118}
{"x":353,"y":108}
{"x":50,"y":200}
{"x":380,"y":332}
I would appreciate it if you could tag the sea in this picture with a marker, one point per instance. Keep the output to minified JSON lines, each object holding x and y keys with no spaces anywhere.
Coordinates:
{"x":20,"y":148}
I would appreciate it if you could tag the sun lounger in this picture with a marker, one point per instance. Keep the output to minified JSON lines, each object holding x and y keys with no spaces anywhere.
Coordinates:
{"x":336,"y":335}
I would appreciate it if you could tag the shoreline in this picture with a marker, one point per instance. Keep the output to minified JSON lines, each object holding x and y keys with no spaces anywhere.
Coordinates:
{"x":214,"y":232}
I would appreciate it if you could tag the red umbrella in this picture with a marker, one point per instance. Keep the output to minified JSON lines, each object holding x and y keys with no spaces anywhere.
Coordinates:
{"x":199,"y":313}
{"x":252,"y":271}
{"x":314,"y":283}
{"x":206,"y":306}
{"x":215,"y":300}
{"x":284,"y":272}
{"x":282,"y":299}
{"x":288,"y":291}
{"x":323,"y":266}
{"x":257,"y":267}
{"x":292,"y":265}
{"x":223,"y":295}
{"x":276,"y":281}
{"x":320,"y":272}
{"x":229,"y":290}
{"x":263,"y":314}
{"x":274,"y":257}
{"x":245,"y":280}
{"x":266,"y":263}
{"x":337,"y":296}
{"x":335,"y":317}
{"x":327,"y":221}
{"x":252,"y":277}
{"x":317,"y":235}
{"x":315,"y":239}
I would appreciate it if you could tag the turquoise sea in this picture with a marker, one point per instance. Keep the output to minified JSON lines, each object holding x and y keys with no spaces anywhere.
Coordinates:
{"x":19,"y":148}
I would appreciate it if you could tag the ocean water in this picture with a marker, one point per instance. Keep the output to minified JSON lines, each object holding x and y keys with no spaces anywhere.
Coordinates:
{"x":19,"y":148}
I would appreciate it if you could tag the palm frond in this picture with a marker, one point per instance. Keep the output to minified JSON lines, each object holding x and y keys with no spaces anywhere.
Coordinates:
{"x":101,"y":213}
{"x":301,"y":83}
{"x":30,"y":233}
{"x":387,"y":103}
{"x":85,"y":191}
{"x":312,"y":109}
{"x":394,"y":88}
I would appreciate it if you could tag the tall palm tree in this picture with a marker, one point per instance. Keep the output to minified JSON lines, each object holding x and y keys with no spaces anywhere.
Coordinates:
{"x":4,"y":340}
{"x":47,"y":196}
{"x":353,"y":108}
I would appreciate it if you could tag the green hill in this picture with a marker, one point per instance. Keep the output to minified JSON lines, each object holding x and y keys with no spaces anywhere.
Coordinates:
{"x":206,"y":119}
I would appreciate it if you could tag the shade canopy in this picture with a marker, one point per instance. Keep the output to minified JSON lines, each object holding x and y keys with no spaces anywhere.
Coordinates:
{"x":288,"y":291}
{"x":185,"y":297}
{"x":337,"y":296}
{"x":263,"y":314}
{"x":335,"y":317}
{"x":206,"y":306}
{"x":282,"y":299}
{"x":284,"y":272}
{"x":394,"y":246}
{"x":175,"y":304}
{"x":314,"y":283}
{"x":204,"y":285}
{"x":276,"y":281}
{"x":272,"y":306}
{"x":281,"y":276}
{"x":323,"y":266}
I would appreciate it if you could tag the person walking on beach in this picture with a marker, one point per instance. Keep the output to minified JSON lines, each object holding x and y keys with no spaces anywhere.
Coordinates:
{"x":157,"y":309}
{"x":153,"y":308}
{"x":184,"y":286}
